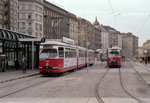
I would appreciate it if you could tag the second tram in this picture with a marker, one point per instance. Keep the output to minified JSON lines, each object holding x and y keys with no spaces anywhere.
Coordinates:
{"x":114,"y":57}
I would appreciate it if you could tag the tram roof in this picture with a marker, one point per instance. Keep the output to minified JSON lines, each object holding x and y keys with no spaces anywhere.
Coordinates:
{"x":54,"y":43}
{"x":12,"y":36}
{"x":118,"y":48}
{"x":57,"y":43}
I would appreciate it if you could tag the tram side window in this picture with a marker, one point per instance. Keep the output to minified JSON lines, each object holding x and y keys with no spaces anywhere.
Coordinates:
{"x":70,"y":53}
{"x":67,"y":54}
{"x":81,"y":54}
{"x":61,"y":52}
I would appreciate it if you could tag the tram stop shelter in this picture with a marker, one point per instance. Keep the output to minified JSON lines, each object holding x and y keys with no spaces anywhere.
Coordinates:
{"x":14,"y":44}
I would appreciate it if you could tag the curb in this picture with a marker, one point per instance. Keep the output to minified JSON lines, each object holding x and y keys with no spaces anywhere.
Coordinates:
{"x":19,"y":78}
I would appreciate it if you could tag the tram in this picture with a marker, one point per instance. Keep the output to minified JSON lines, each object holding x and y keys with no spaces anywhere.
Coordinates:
{"x":114,"y":57}
{"x":59,"y":57}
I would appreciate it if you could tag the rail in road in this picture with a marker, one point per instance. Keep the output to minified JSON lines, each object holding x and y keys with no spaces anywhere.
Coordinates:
{"x":26,"y":87}
{"x":125,"y":89}
{"x":98,"y":95}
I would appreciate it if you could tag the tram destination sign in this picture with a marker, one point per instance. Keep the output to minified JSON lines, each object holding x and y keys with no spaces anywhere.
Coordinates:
{"x":68,"y":40}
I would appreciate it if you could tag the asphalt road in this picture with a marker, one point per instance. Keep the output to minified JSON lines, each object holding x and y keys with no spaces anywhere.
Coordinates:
{"x":78,"y":87}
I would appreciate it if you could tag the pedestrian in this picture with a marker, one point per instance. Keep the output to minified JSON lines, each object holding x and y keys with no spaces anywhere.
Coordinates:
{"x":140,"y":59}
{"x":16,"y":64}
{"x":7,"y":65}
{"x":145,"y":59}
{"x":23,"y":62}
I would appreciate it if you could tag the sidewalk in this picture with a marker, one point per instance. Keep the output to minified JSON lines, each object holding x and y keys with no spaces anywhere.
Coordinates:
{"x":11,"y":75}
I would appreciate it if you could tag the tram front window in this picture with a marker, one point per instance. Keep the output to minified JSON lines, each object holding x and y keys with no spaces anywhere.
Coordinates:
{"x":114,"y":54}
{"x":48,"y":53}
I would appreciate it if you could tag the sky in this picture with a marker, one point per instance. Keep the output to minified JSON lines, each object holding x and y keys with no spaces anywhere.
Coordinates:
{"x":131,"y":15}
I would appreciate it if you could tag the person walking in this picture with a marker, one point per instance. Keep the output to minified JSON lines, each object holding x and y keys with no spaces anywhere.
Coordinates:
{"x":145,"y":59}
{"x":23,"y":62}
{"x":16,"y":64}
{"x":7,"y":65}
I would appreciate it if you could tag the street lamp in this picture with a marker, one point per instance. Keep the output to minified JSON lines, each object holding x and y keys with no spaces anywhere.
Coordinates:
{"x":87,"y":44}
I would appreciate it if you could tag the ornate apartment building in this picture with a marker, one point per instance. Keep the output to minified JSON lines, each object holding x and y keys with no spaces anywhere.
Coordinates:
{"x":86,"y":33}
{"x":97,"y":35}
{"x":9,"y":14}
{"x":73,"y":28}
{"x":56,"y":21}
{"x":103,"y":40}
{"x":30,"y":17}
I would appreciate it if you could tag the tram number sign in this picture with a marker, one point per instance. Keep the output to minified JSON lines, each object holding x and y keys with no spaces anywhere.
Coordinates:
{"x":43,"y":40}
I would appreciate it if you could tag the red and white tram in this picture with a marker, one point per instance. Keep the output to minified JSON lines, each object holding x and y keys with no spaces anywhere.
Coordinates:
{"x":114,"y":57}
{"x":59,"y":57}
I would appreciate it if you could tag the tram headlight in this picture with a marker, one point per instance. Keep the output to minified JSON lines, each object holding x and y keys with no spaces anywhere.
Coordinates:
{"x":47,"y":64}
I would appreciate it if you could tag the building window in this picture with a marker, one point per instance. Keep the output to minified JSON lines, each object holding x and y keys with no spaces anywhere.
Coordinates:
{"x":29,"y":16}
{"x":36,"y":16}
{"x":1,"y":17}
{"x":30,"y":25}
{"x":40,"y":27}
{"x":1,"y":7}
{"x":1,"y":26}
{"x":23,"y":6}
{"x":30,"y":7}
{"x":36,"y":7}
{"x":30,"y":33}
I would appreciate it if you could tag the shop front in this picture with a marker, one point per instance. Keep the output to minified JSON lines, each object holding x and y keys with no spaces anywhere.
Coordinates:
{"x":12,"y":48}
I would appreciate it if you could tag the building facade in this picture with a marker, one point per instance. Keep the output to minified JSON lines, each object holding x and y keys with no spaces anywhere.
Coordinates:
{"x":130,"y":45}
{"x":104,"y":36}
{"x":56,"y":21}
{"x":146,"y":47}
{"x":97,"y":35}
{"x":115,"y":38}
{"x":104,"y":39}
{"x":73,"y":28}
{"x":86,"y":33}
{"x":9,"y":14}
{"x":30,"y":17}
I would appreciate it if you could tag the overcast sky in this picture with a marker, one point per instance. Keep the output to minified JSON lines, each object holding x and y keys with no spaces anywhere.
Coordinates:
{"x":132,"y":15}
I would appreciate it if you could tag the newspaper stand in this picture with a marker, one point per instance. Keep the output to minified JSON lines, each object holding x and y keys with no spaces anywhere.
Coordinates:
{"x":2,"y":63}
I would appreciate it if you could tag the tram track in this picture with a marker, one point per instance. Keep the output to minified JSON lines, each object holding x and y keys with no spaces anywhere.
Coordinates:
{"x":27,"y":87}
{"x":97,"y":95}
{"x":139,"y":73}
{"x":13,"y":84}
{"x":123,"y":87}
{"x":96,"y":89}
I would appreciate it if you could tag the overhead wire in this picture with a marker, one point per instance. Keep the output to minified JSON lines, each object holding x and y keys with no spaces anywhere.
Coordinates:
{"x":111,"y":7}
{"x":112,"y":12}
{"x":143,"y":24}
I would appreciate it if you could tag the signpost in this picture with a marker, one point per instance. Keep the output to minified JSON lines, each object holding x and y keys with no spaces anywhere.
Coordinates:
{"x":87,"y":44}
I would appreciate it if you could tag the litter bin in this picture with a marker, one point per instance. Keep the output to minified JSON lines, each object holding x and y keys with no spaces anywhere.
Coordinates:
{"x":2,"y":63}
